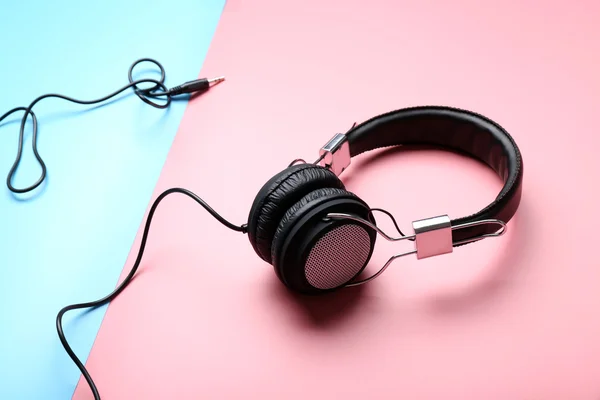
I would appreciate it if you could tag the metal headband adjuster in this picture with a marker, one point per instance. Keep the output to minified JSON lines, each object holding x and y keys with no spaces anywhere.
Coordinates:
{"x":432,"y":237}
{"x":335,"y":154}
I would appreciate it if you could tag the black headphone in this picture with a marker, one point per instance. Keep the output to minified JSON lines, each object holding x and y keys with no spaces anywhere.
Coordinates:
{"x":319,"y":237}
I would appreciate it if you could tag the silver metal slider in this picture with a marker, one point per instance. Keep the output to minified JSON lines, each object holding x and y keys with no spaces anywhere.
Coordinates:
{"x":335,"y":154}
{"x":433,"y":236}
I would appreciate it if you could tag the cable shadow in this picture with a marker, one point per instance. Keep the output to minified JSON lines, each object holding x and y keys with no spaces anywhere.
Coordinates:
{"x":320,"y":312}
{"x":28,"y":196}
{"x":82,"y":313}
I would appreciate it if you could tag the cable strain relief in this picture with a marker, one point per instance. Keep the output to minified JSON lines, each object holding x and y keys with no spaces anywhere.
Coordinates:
{"x":176,"y":90}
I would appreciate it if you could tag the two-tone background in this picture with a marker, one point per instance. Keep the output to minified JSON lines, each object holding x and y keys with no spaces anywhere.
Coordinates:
{"x":512,"y":318}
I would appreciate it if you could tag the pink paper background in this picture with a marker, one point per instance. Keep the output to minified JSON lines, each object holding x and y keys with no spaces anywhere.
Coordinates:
{"x":511,"y":318}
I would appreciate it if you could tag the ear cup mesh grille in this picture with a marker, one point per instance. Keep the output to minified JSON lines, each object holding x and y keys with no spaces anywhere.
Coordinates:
{"x":338,"y":256}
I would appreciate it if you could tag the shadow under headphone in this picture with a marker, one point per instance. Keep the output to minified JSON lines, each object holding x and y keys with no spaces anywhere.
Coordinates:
{"x":319,"y":237}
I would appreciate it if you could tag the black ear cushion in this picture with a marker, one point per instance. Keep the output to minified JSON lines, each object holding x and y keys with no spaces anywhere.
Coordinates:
{"x":279,"y":194}
{"x":299,"y":209}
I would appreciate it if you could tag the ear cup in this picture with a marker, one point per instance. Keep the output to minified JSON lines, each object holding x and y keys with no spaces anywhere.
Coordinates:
{"x":313,"y":255}
{"x":299,"y":209}
{"x":278,"y":195}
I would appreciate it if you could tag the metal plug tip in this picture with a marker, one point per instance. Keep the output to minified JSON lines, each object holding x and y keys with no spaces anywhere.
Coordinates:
{"x":214,"y":81}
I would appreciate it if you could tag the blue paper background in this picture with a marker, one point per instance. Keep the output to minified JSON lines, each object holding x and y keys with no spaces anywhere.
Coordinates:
{"x":69,"y":241}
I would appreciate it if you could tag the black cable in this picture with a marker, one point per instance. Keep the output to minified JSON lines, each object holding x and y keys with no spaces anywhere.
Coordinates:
{"x":144,"y":94}
{"x":389,"y":214}
{"x":127,"y":280}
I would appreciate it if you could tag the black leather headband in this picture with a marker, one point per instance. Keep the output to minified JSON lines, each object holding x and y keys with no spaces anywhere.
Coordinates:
{"x":455,"y":130}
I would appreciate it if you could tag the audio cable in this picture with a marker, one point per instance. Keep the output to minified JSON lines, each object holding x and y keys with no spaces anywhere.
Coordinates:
{"x":158,"y":90}
{"x":97,"y":303}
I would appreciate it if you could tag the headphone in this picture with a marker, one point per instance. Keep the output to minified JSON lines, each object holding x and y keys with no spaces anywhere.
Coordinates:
{"x":319,"y":237}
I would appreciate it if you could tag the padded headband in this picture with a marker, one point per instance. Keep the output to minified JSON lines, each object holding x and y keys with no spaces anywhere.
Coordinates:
{"x":456,"y":130}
